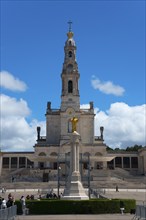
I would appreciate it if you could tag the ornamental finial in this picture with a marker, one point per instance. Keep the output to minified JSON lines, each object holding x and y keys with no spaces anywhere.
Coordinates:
{"x":70,"y":33}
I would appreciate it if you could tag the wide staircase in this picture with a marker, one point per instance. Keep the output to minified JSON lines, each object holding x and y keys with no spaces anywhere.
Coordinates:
{"x":33,"y":178}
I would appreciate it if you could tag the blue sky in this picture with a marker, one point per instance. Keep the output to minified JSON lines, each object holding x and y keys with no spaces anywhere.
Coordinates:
{"x":110,"y":39}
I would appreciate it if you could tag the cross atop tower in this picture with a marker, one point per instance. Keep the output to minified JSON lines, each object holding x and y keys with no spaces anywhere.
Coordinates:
{"x":70,"y":24}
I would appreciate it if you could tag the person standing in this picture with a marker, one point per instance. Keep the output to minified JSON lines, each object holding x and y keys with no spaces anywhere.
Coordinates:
{"x":4,"y":205}
{"x":23,"y":204}
{"x":117,"y":188}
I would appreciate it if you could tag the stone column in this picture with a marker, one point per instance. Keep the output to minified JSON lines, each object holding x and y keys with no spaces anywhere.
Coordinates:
{"x":122,"y":162}
{"x":17,"y":162}
{"x":144,"y":164}
{"x":130,"y":161}
{"x":36,"y":165}
{"x":74,"y":189}
{"x":25,"y":162}
{"x":9,"y":163}
{"x":1,"y":159}
{"x":114,"y":163}
{"x":75,"y":153}
{"x":104,"y":165}
{"x":140,"y":164}
{"x":77,"y":158}
{"x":73,"y":157}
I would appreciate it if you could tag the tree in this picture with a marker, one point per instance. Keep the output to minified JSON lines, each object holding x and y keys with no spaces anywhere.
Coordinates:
{"x":134,"y":148}
{"x":109,"y":148}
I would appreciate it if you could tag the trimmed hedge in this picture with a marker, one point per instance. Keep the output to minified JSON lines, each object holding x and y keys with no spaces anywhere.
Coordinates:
{"x":92,"y":206}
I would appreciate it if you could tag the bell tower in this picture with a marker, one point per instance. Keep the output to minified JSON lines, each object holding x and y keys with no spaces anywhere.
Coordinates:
{"x":70,"y":75}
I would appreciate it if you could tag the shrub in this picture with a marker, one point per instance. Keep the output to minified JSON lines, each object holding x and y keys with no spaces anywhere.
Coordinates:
{"x":92,"y":206}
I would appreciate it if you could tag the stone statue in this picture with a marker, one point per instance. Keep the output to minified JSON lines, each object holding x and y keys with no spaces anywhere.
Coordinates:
{"x":101,"y":131}
{"x":74,"y":121}
{"x":38,"y":132}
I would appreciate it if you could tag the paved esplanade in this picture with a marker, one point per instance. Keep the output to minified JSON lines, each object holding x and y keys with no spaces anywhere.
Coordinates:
{"x":76,"y":217}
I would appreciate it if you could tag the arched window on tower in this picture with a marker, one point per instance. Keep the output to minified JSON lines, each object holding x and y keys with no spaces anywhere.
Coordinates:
{"x":70,"y":86}
{"x":70,"y":53}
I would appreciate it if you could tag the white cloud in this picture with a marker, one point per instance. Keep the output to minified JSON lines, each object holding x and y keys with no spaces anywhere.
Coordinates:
{"x":107,"y":87}
{"x":85,"y":106}
{"x":17,"y":134}
{"x":8,"y":81}
{"x":123,"y":125}
{"x":11,"y":107}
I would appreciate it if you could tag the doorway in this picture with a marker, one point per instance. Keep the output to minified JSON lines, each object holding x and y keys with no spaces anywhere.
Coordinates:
{"x":41,"y":165}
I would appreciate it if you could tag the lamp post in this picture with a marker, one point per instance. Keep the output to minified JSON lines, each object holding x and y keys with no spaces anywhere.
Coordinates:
{"x":58,"y":185}
{"x":89,"y":169}
{"x":49,"y":175}
{"x":145,"y":190}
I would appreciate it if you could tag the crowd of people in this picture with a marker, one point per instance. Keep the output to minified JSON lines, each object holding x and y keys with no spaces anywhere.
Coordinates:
{"x":7,"y":203}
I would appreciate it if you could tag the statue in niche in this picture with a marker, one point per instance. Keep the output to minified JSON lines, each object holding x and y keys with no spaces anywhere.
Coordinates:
{"x":74,"y":121}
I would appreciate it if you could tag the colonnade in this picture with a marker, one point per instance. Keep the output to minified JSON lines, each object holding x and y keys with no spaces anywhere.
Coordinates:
{"x":129,"y":162}
{"x":15,"y":162}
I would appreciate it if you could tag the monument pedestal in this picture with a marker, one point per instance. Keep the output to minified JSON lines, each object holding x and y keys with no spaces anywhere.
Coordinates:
{"x":74,"y":189}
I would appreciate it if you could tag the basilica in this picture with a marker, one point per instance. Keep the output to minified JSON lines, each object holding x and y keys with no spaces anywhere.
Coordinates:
{"x":53,"y":150}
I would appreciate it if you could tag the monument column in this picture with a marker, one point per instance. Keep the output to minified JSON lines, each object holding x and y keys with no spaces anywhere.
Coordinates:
{"x":77,"y":157}
{"x":75,"y":152}
{"x":73,"y":157}
{"x":74,"y":189}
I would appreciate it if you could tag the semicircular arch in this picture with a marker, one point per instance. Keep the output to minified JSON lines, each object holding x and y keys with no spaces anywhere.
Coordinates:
{"x":42,"y":154}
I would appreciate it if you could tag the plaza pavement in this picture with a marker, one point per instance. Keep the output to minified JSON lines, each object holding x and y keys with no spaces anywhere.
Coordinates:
{"x":77,"y":217}
{"x":138,"y":195}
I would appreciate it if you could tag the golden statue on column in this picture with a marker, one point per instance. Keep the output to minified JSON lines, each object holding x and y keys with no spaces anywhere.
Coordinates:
{"x":74,"y":121}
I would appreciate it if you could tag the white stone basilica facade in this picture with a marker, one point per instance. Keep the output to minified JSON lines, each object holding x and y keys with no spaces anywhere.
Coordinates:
{"x":53,"y":150}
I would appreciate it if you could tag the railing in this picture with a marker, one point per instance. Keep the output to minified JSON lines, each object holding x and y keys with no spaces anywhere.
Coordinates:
{"x":8,"y":213}
{"x":42,"y":138}
{"x":140,"y":212}
{"x":96,"y":138}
